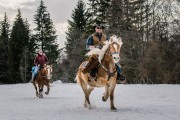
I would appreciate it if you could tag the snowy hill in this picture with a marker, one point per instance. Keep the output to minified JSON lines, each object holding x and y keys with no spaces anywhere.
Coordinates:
{"x":65,"y":102}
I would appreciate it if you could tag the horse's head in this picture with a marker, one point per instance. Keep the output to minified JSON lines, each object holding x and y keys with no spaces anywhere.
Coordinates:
{"x":43,"y":72}
{"x":114,"y":48}
{"x":49,"y":71}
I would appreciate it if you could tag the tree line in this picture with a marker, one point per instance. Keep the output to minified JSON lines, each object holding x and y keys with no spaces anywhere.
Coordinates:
{"x":150,"y":30}
{"x":19,"y":45}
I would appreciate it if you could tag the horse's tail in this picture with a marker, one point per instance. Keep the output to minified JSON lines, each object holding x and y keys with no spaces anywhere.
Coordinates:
{"x":77,"y":79}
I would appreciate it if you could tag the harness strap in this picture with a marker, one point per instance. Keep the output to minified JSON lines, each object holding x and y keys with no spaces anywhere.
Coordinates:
{"x":44,"y":76}
{"x":108,"y":72}
{"x":115,"y":53}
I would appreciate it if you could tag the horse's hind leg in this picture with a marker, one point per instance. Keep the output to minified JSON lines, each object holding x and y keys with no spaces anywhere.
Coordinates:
{"x":86,"y":103}
{"x":85,"y":90}
{"x":35,"y":88}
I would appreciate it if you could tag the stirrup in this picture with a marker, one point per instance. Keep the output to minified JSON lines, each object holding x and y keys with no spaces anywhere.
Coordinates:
{"x":121,"y":78}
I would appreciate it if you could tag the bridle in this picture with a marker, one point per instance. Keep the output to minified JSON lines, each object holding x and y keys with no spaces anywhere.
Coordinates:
{"x":110,"y":74}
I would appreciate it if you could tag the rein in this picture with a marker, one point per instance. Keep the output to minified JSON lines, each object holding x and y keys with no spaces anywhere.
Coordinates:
{"x":114,"y":53}
{"x":111,"y":54}
{"x":108,"y":72}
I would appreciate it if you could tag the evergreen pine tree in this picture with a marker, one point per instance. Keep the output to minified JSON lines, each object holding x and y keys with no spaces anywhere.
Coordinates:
{"x":97,"y":13}
{"x":115,"y":18}
{"x":75,"y":45}
{"x":27,"y":60}
{"x":133,"y":35}
{"x":18,"y":42}
{"x":45,"y":37}
{"x":4,"y":49}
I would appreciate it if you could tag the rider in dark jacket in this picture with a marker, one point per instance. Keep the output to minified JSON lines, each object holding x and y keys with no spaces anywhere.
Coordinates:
{"x":95,"y":41}
{"x":40,"y":61}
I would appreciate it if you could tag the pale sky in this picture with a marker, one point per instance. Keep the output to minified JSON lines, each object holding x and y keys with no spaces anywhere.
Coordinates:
{"x":60,"y":11}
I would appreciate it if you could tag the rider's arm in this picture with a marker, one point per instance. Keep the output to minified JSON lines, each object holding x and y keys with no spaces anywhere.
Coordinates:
{"x":89,"y":43}
{"x":36,"y":61}
{"x":107,"y":38}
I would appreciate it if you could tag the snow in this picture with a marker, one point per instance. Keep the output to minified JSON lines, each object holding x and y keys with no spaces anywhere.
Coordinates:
{"x":65,"y":102}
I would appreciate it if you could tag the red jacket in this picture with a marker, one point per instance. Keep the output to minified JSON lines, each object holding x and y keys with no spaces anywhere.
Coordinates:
{"x":40,"y":59}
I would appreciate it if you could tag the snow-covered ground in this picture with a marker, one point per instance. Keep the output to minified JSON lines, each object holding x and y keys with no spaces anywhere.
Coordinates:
{"x":65,"y":102}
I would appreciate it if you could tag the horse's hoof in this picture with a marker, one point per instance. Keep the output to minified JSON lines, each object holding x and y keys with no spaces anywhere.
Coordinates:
{"x":103,"y":99}
{"x":90,"y":107}
{"x":41,"y":96}
{"x":85,"y":105}
{"x":46,"y":93}
{"x":113,"y":109}
{"x":37,"y":95}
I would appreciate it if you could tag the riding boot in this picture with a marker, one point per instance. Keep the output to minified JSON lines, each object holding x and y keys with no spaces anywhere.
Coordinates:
{"x":92,"y":64}
{"x":120,"y":77}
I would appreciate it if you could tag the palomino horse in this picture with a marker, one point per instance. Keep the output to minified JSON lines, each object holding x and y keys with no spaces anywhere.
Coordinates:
{"x":106,"y":75}
{"x":43,"y":78}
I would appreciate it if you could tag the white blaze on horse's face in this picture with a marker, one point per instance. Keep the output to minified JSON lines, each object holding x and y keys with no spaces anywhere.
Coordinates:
{"x":116,"y":57}
{"x":115,"y":48}
{"x":49,"y":69}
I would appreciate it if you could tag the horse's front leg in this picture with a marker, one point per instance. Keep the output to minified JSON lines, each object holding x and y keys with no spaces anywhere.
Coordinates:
{"x":35,"y":88}
{"x":105,"y":83}
{"x":111,"y":92}
{"x":106,"y":93}
{"x":112,"y":101}
{"x":48,"y":88}
{"x":41,"y":91}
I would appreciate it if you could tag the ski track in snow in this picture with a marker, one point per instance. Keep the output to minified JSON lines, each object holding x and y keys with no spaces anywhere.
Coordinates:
{"x":65,"y":102}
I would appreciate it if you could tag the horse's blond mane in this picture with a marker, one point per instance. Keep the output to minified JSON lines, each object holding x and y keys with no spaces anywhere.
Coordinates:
{"x":116,"y":39}
{"x":101,"y":52}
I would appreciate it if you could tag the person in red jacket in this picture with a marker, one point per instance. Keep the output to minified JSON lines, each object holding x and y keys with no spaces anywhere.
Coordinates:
{"x":40,"y":61}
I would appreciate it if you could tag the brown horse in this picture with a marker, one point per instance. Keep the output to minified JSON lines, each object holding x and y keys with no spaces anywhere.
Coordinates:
{"x":106,"y":75}
{"x":43,"y":78}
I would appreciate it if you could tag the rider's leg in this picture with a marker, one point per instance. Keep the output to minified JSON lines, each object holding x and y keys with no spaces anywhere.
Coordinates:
{"x":91,"y":65}
{"x":119,"y":76}
{"x":34,"y":73}
{"x":32,"y":77}
{"x":93,"y":72}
